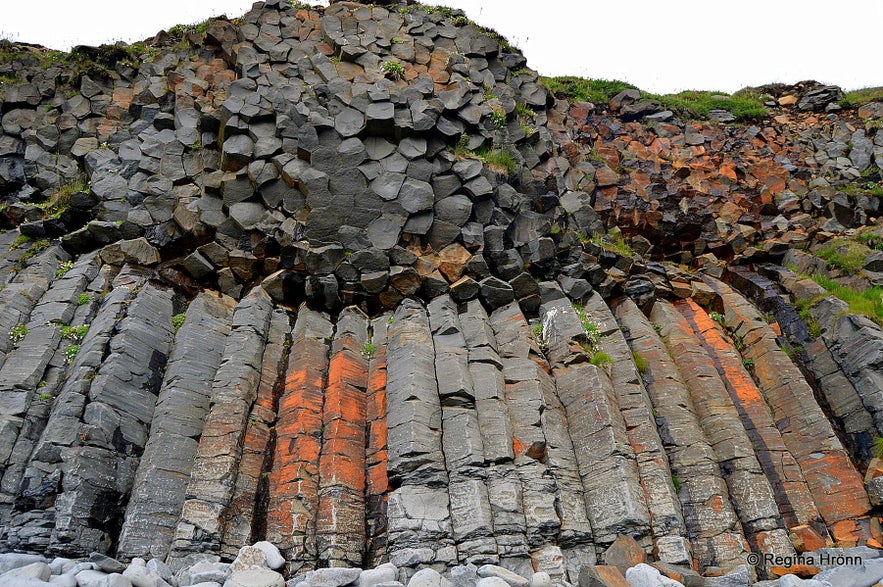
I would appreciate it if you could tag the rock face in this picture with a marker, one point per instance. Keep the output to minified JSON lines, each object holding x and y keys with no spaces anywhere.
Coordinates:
{"x":349,"y":284}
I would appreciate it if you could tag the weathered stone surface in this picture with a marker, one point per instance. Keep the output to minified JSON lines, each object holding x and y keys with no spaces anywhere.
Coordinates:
{"x":813,"y":443}
{"x":294,"y":480}
{"x":712,"y":525}
{"x":234,"y":389}
{"x":182,"y":406}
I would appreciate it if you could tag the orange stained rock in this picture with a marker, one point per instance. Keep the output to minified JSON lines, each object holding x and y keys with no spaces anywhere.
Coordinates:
{"x":294,"y":480}
{"x":518,"y":447}
{"x":805,"y":538}
{"x":836,"y":487}
{"x":850,"y":533}
{"x":375,"y":414}
{"x":805,"y":571}
{"x":791,"y":492}
{"x":611,"y":576}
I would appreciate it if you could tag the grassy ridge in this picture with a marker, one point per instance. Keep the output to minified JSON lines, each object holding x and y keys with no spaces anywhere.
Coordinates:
{"x":693,"y":104}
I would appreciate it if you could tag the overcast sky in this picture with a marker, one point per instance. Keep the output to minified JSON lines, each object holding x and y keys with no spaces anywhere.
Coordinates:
{"x":660,"y":46}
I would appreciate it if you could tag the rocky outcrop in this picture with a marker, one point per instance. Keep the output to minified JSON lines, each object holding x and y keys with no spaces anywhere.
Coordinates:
{"x":350,"y":285}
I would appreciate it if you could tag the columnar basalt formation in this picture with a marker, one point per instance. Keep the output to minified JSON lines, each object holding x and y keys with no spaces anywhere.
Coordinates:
{"x":352,"y":281}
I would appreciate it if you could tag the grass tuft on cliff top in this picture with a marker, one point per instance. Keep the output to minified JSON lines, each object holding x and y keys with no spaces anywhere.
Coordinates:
{"x":862,"y":96}
{"x":693,"y":103}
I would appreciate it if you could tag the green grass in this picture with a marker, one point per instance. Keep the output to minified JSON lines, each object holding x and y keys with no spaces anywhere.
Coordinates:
{"x":699,"y":103}
{"x":71,"y":352}
{"x":523,"y":111}
{"x":803,"y":311}
{"x":878,"y":446}
{"x":676,"y":481}
{"x":538,"y":330}
{"x":748,"y":364}
{"x":614,"y":243}
{"x":718,"y":317}
{"x":59,"y":200}
{"x":692,"y":104}
{"x":74,"y":333}
{"x":18,"y":332}
{"x":393,"y":70}
{"x":592,"y":331}
{"x":871,"y":240}
{"x":498,"y":160}
{"x":63,"y":268}
{"x":178,"y":321}
{"x":868,"y":302}
{"x":19,"y":241}
{"x":601,"y":359}
{"x":579,"y":89}
{"x":180,"y":30}
{"x":83,"y":299}
{"x":369,"y":349}
{"x":498,"y":118}
{"x":845,"y":254}
{"x":861,"y":96}
{"x":869,"y":188}
{"x":640,"y":362}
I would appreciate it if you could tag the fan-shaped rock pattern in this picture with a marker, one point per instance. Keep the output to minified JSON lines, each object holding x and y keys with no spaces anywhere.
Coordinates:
{"x":260,"y":284}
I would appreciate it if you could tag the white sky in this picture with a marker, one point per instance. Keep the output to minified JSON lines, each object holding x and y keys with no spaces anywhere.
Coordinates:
{"x":659,"y":45}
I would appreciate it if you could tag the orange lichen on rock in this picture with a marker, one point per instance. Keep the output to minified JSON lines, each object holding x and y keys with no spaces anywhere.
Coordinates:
{"x":294,"y":480}
{"x":340,"y":524}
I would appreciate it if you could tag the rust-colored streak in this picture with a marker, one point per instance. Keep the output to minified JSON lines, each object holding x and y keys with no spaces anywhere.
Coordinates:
{"x":294,"y":481}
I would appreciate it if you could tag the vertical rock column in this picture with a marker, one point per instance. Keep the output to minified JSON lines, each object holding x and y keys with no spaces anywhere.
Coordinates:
{"x":713,"y":526}
{"x":31,"y":525}
{"x":846,"y":404}
{"x":419,"y":519}
{"x":340,"y":524}
{"x":607,"y":467}
{"x":25,"y":393}
{"x":293,"y":483}
{"x":183,"y":403}
{"x":836,"y":486}
{"x":376,"y":453}
{"x":98,"y":471}
{"x":504,"y":486}
{"x":461,"y":438}
{"x":21,"y":294}
{"x":795,"y":503}
{"x":526,"y":403}
{"x":670,"y":544}
{"x":244,"y":513}
{"x":750,"y":490}
{"x":234,"y":389}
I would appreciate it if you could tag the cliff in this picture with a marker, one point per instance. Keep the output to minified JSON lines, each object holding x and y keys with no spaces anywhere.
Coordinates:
{"x":358,"y":282}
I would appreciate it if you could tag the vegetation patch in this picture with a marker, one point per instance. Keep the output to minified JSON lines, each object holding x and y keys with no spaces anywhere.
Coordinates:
{"x":868,"y":302}
{"x":74,"y":333}
{"x":178,"y":321}
{"x":869,"y":189}
{"x":601,"y":359}
{"x":17,"y":334}
{"x":612,"y":242}
{"x":63,"y":268}
{"x":862,"y":96}
{"x":578,"y":89}
{"x":393,"y":70}
{"x":369,"y":349}
{"x":845,"y":254}
{"x":70,"y":353}
{"x":498,"y":160}
{"x":692,"y":104}
{"x":697,"y":104}
{"x":640,"y":362}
